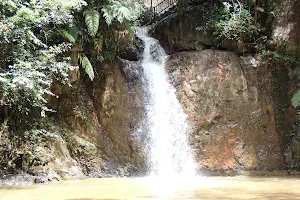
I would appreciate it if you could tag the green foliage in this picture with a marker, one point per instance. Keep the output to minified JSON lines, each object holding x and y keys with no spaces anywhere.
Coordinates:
{"x":26,"y":83}
{"x":121,"y":11}
{"x":251,"y":4}
{"x":233,"y":21}
{"x":282,"y":53}
{"x":39,"y":135}
{"x":296,"y":99}
{"x":92,"y":19}
{"x":286,"y":56}
{"x":43,"y":12}
{"x":68,"y":35}
{"x":71,"y":32}
{"x":86,"y":64}
{"x":34,"y":50}
{"x":32,"y":55}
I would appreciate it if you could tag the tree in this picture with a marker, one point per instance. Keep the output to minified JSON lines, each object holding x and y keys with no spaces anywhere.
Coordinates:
{"x":35,"y":36}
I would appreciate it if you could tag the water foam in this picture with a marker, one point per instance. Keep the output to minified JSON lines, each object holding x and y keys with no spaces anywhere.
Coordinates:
{"x":169,"y":152}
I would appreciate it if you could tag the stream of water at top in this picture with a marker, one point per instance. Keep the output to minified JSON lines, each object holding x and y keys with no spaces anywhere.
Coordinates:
{"x":169,"y":154}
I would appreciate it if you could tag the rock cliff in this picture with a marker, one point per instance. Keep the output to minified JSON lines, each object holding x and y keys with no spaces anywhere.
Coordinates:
{"x":239,"y":104}
{"x":92,"y":134}
{"x":230,"y":104}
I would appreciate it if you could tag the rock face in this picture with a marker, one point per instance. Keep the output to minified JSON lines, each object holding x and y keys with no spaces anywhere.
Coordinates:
{"x":240,"y":112}
{"x":119,"y":111}
{"x":104,"y":119}
{"x":286,"y":31}
{"x":240,"y":106}
{"x":231,"y":108}
{"x":183,"y":32}
{"x":91,"y":135}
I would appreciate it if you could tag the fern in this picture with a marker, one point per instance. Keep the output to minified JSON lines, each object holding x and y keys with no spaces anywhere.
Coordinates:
{"x":87,"y":66}
{"x":296,"y":99}
{"x":92,"y":20}
{"x":121,"y":11}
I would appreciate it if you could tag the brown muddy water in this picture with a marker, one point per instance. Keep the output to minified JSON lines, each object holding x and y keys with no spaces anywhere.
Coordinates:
{"x":228,"y":188}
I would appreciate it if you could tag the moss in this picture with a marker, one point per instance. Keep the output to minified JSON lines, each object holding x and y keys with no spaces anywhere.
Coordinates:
{"x":21,"y":150}
{"x":284,"y":53}
{"x":80,"y":147}
{"x":76,"y":106}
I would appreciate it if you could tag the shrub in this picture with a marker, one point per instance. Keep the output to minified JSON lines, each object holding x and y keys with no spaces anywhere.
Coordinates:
{"x":121,"y":11}
{"x":233,"y":21}
{"x":32,"y":55}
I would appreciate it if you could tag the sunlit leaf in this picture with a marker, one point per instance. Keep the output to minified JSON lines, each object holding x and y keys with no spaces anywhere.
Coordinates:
{"x":92,"y":20}
{"x":296,"y":99}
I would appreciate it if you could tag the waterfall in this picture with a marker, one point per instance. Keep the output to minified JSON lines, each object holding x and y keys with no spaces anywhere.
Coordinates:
{"x":167,"y":127}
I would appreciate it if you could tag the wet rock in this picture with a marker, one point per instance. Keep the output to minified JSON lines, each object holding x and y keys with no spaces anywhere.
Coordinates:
{"x":17,"y":179}
{"x":293,"y":154}
{"x":42,"y":180}
{"x":93,"y":133}
{"x":130,"y":53}
{"x":286,"y":24}
{"x":120,"y":42}
{"x":103,"y":120}
{"x":85,"y":153}
{"x":119,"y":108}
{"x":286,"y":32}
{"x":229,"y":103}
{"x":51,"y":160}
{"x":186,"y":32}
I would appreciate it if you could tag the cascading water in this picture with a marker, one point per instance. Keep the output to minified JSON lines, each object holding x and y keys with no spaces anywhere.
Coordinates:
{"x":166,"y":121}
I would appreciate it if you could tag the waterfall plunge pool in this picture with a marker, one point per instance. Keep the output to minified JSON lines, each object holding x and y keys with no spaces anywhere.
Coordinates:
{"x":169,"y":156}
{"x":203,"y":188}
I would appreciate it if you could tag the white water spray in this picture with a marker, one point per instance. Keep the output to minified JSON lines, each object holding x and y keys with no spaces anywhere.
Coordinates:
{"x":169,"y":151}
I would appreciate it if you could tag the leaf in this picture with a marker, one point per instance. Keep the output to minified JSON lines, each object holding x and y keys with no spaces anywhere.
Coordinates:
{"x":69,"y":36}
{"x":92,"y":20}
{"x":121,"y":11}
{"x":296,"y":99}
{"x":87,"y":66}
{"x":251,"y":4}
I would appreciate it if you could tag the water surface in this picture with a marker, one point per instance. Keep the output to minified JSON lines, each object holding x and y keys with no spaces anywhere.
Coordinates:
{"x":154,"y":188}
